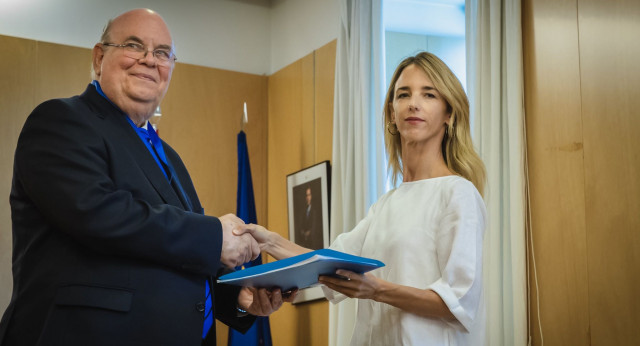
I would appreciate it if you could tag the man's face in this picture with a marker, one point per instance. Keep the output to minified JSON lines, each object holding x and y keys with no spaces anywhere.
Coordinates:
{"x":135,"y":85}
{"x":308,"y":196}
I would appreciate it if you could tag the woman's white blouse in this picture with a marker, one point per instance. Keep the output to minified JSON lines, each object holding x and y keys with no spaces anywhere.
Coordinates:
{"x":429,"y":234}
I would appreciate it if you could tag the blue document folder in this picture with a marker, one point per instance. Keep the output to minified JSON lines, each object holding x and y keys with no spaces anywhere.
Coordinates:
{"x":300,"y":271}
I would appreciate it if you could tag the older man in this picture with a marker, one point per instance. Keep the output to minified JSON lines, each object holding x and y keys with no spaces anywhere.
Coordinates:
{"x":111,"y":244}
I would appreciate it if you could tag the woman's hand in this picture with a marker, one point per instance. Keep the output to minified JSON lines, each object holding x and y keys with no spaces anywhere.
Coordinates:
{"x":271,"y":242}
{"x":353,"y":285}
{"x":421,"y":302}
{"x":259,"y":233}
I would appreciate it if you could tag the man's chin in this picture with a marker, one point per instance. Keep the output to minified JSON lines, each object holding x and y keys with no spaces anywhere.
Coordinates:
{"x":144,"y":96}
{"x":144,"y":89}
{"x":139,"y":106}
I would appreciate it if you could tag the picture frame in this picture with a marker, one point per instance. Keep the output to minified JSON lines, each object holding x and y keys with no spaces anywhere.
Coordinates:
{"x":308,"y":192}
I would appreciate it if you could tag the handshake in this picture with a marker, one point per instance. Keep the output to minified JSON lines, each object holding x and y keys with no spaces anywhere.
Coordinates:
{"x":241,"y":243}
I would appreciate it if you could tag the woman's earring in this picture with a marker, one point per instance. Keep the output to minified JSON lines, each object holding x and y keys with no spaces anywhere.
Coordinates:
{"x":392,"y":128}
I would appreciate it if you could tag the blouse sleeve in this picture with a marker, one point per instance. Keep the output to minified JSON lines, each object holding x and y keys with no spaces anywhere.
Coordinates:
{"x":459,"y":254}
{"x":351,"y":243}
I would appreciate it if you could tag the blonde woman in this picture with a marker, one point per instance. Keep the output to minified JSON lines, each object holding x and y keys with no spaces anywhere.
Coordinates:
{"x":428,"y":231}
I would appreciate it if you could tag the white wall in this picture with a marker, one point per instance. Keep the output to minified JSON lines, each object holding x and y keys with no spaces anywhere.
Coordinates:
{"x":253,"y":36}
{"x":300,"y":26}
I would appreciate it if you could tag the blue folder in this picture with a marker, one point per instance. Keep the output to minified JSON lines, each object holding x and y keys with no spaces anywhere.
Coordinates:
{"x":300,"y":271}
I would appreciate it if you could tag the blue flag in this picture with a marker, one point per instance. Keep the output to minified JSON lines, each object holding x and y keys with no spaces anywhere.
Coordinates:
{"x":259,"y":333}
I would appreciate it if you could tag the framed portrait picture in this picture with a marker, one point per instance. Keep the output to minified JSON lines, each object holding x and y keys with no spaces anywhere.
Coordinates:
{"x":308,"y":212}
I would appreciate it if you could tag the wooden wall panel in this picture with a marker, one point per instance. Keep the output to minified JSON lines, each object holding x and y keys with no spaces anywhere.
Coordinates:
{"x":581,"y":98}
{"x":17,"y":96}
{"x":61,"y":71}
{"x":325,"y":68}
{"x":201,"y":118}
{"x":31,"y":72}
{"x":290,"y":135}
{"x":556,"y":170}
{"x":609,"y":50}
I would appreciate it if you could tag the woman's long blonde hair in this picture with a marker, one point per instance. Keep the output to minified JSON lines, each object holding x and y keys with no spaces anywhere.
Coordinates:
{"x":457,"y":148}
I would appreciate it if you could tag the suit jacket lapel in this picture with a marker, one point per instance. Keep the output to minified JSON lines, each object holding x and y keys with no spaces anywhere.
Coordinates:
{"x":115,"y":118}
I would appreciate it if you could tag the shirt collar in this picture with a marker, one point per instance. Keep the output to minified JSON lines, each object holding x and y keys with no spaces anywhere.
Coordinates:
{"x":96,"y":84}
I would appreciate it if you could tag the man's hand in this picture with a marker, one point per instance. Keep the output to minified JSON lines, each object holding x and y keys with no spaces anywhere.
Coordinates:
{"x":236,"y":249}
{"x":261,"y":302}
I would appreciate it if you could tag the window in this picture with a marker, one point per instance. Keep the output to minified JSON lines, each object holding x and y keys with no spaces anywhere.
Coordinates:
{"x":436,"y":26}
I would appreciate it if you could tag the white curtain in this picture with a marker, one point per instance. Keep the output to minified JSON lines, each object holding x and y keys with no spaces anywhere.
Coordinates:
{"x":495,"y":84}
{"x":358,"y":167}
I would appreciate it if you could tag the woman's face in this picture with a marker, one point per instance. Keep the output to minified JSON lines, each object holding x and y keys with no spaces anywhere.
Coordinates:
{"x":419,"y":111}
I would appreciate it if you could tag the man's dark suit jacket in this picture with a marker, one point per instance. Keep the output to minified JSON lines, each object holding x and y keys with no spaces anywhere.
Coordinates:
{"x":311,"y":232}
{"x":104,"y":252}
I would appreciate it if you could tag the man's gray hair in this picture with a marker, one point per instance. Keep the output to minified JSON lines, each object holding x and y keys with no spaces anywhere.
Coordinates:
{"x":103,"y":38}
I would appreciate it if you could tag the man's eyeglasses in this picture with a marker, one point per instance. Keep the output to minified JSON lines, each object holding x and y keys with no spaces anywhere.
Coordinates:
{"x":138,"y":51}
